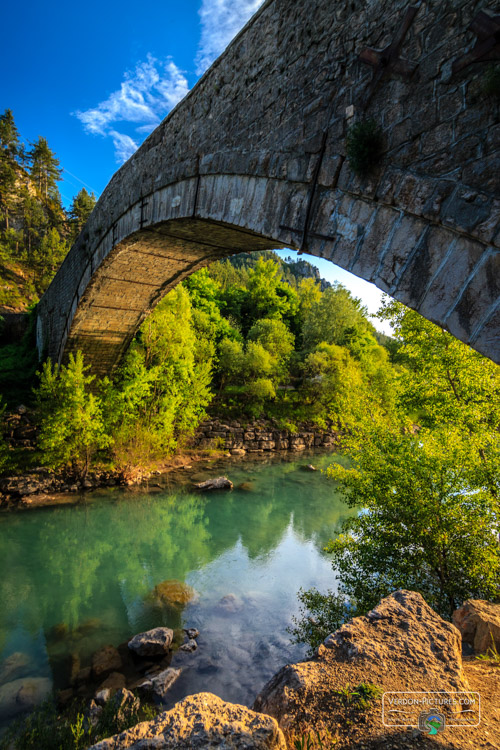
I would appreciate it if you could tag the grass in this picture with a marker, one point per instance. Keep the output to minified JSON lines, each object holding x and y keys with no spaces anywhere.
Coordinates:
{"x":47,"y":729}
{"x":492,"y":655}
{"x":361,"y":696}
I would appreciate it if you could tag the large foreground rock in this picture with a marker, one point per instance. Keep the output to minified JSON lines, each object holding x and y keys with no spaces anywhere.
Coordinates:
{"x":152,"y":643}
{"x":479,"y":624}
{"x":201,"y":721}
{"x":402,"y":645}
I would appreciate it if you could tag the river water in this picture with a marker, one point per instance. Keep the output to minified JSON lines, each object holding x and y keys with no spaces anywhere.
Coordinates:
{"x":77,"y":577}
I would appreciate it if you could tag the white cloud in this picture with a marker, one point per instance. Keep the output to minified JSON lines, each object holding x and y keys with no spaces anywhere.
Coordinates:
{"x":144,"y":98}
{"x":220,"y":22}
{"x":124,"y":145}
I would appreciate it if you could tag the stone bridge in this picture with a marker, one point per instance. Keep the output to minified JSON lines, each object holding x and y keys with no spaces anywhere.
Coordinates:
{"x":255,"y":157}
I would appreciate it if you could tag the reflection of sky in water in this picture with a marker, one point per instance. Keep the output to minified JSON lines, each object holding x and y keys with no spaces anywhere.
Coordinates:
{"x":92,"y":567}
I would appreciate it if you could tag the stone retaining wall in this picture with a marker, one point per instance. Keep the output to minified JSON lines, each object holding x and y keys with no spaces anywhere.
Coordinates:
{"x":260,"y":436}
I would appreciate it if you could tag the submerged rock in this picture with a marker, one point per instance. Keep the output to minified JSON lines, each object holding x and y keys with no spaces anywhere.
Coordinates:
{"x":189,"y":646}
{"x":21,"y":696}
{"x":15,"y":666}
{"x":201,"y":721}
{"x":106,"y":660}
{"x":153,"y":642}
{"x":229,"y":604}
{"x":246,"y":486}
{"x":220,"y":483}
{"x":158,"y":685}
{"x":172,"y":592}
{"x":113,"y":682}
{"x":479,"y":624}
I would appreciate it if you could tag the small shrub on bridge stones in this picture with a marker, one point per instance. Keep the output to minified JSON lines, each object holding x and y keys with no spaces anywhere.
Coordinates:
{"x":491,"y":81}
{"x":364,"y":146}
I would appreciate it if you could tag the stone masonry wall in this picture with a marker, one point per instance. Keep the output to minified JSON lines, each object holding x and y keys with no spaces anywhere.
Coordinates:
{"x":255,"y":157}
{"x":261,"y":436}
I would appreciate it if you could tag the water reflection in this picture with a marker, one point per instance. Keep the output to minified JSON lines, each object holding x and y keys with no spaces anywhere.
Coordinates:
{"x":74,"y":578}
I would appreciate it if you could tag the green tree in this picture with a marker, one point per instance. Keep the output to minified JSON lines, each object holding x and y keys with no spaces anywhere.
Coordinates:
{"x":47,"y":258}
{"x":276,"y":339}
{"x":44,"y":170}
{"x":268,"y":296}
{"x":429,"y":522}
{"x":163,"y":386}
{"x":333,"y":384}
{"x":80,"y":210}
{"x":9,"y":150}
{"x":71,"y":427}
{"x":9,"y":135}
{"x":328,"y":319}
{"x":446,"y":383}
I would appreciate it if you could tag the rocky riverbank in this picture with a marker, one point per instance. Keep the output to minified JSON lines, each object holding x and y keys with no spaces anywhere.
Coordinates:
{"x":214,"y":438}
{"x":336,"y":698}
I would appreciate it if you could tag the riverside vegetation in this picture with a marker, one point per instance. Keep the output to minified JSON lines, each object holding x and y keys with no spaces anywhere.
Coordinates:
{"x":419,"y":413}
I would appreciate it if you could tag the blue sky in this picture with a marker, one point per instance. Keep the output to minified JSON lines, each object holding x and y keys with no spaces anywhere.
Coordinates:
{"x":95,"y":79}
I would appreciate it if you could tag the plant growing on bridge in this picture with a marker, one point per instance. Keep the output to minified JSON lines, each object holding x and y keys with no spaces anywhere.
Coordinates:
{"x":364,"y":146}
{"x":70,"y":417}
{"x":491,"y":81}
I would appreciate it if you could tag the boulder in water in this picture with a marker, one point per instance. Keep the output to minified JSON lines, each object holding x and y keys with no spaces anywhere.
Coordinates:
{"x":21,"y":696}
{"x":15,"y":666}
{"x":153,"y":642}
{"x":173,"y":592}
{"x":219,"y":483}
{"x":106,"y":660}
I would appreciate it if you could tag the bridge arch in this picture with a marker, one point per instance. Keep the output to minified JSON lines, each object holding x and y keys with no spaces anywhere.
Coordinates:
{"x":255,"y":158}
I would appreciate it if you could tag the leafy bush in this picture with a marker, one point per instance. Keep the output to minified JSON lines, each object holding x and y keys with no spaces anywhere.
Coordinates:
{"x":320,"y":615}
{"x":364,"y":146}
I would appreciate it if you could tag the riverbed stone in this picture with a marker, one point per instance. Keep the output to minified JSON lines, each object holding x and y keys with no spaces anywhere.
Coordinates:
{"x":153,"y":642}
{"x":199,"y":722}
{"x":23,"y":695}
{"x":162,"y":682}
{"x":14,"y":667}
{"x":173,"y":593}
{"x":107,"y":659}
{"x":219,"y":483}
{"x":113,"y":682}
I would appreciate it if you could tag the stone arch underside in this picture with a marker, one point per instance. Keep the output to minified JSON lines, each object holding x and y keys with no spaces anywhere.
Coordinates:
{"x":254,"y":158}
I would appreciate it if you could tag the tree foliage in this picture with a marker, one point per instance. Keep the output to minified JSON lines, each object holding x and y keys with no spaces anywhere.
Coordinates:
{"x":72,"y":428}
{"x":428,"y":524}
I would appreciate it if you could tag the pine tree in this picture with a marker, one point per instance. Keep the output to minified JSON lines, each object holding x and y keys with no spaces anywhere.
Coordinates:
{"x":44,"y":170}
{"x":9,"y":135}
{"x":9,"y":152}
{"x":80,"y":210}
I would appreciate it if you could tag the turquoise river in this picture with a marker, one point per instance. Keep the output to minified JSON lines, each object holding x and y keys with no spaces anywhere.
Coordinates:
{"x":76,"y":577}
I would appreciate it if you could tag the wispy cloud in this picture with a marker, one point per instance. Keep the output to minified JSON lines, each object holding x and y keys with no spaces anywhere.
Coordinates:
{"x":145,"y":96}
{"x":220,"y":22}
